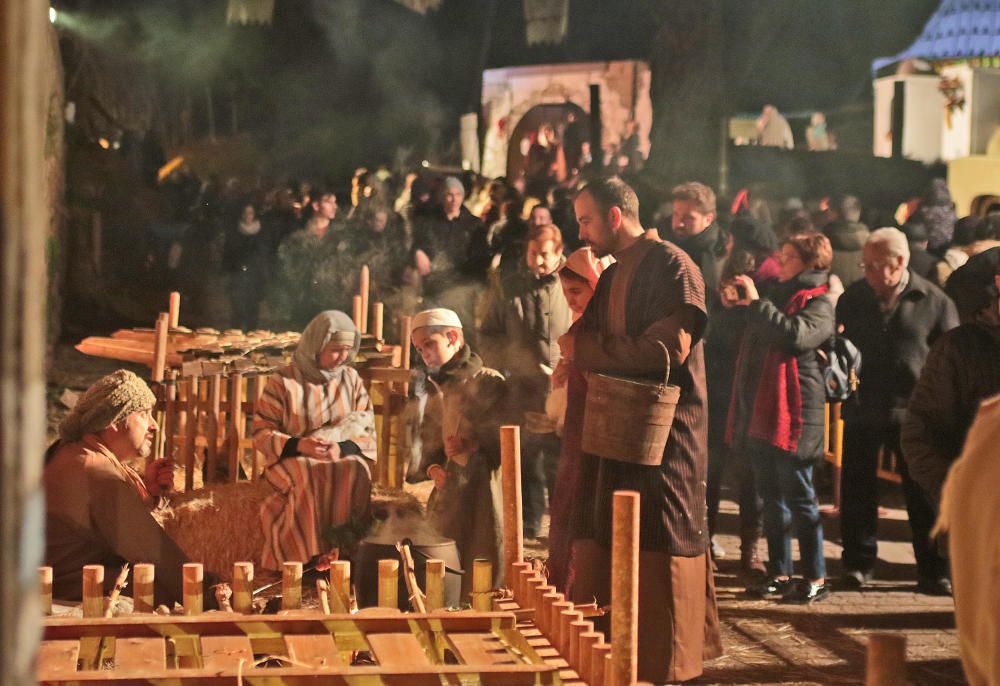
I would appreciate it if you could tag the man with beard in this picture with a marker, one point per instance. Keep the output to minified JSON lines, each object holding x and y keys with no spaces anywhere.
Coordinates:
{"x":98,"y":508}
{"x":652,"y":295}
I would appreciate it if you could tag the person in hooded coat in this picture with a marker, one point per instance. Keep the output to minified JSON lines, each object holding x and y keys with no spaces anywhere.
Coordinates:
{"x":319,"y":483}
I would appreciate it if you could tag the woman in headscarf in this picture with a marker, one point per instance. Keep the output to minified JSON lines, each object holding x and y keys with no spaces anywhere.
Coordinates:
{"x":316,"y":428}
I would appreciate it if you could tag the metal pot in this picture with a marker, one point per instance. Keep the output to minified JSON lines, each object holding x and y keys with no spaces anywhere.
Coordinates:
{"x":365,"y":570}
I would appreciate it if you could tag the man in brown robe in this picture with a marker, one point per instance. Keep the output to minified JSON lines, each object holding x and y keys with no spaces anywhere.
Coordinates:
{"x":654,"y":293}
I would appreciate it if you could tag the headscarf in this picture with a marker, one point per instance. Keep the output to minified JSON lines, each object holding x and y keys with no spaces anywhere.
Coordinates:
{"x":582,"y":263}
{"x":325,"y":326}
{"x":106,"y":402}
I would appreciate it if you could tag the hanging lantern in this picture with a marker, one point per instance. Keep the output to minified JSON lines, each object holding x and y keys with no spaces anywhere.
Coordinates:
{"x":249,"y":11}
{"x":421,"y":6}
{"x":546,"y":21}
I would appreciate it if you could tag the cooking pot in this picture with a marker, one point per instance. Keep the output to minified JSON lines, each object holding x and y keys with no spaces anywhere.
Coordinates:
{"x":365,"y":570}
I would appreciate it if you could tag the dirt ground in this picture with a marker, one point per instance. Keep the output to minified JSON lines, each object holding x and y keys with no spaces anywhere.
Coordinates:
{"x":765,"y":642}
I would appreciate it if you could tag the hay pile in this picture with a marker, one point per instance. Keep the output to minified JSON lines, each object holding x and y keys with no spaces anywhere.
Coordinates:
{"x":220,"y":524}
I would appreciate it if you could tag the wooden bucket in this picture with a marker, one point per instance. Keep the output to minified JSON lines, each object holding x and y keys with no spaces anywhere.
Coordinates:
{"x":629,"y":419}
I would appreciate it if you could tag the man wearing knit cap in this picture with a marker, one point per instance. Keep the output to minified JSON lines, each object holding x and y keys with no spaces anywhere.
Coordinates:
{"x":98,"y":509}
{"x":466,"y":403}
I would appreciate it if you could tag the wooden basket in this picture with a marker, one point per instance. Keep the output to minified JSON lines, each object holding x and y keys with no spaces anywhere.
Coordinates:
{"x":629,"y":419}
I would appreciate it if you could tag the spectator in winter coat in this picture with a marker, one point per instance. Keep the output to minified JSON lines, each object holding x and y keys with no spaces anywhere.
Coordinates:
{"x":847,"y":237}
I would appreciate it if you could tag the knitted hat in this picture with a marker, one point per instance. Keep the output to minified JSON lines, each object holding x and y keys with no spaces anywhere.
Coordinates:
{"x":453,"y":183}
{"x":108,"y":401}
{"x":439,"y":316}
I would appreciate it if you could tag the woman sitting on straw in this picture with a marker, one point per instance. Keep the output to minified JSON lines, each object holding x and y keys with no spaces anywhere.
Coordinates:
{"x":316,"y":428}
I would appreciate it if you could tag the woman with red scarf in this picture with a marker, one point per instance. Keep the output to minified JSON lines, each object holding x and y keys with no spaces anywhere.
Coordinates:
{"x":777,"y":404}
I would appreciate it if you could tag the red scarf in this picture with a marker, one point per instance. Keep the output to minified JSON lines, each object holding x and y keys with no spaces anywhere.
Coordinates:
{"x":776,"y":418}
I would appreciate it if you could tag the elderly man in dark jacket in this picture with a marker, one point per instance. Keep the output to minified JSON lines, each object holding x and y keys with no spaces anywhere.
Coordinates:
{"x":894,"y":317}
{"x":963,"y":368}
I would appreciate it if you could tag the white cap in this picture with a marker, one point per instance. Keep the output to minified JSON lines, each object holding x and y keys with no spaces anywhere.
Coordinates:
{"x":439,"y":316}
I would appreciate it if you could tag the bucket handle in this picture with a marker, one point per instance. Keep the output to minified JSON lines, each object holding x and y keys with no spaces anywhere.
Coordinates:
{"x":666,"y":354}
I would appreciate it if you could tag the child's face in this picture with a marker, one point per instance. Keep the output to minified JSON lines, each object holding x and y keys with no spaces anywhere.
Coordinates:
{"x":436,"y":348}
{"x":578,"y":294}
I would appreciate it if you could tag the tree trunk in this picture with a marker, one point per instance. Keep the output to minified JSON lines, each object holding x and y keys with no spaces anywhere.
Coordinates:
{"x":687,"y":87}
{"x":23,"y":228}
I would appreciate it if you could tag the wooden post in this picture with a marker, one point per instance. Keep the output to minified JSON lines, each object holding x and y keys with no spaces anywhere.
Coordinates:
{"x":625,"y":589}
{"x":143,"y":578}
{"x":214,"y":425}
{"x":191,"y":430}
{"x":340,"y":586}
{"x":539,"y":593}
{"x":388,"y":583}
{"x":576,"y":631}
{"x":434,"y":580}
{"x":600,"y":659}
{"x":236,"y":425}
{"x":93,"y":591}
{"x":543,"y":614}
{"x":886,"y":660}
{"x":378,"y":320}
{"x":482,"y":582}
{"x":160,"y":348}
{"x":45,"y":589}
{"x":194,"y":583}
{"x":531,"y":584}
{"x":291,"y":586}
{"x":175,"y":309}
{"x":243,"y":587}
{"x":585,"y":652}
{"x":556,"y":622}
{"x":510,"y":468}
{"x":169,"y":427}
{"x":356,"y":312}
{"x":567,"y":618}
{"x":258,"y":457}
{"x":366,"y":283}
{"x":516,"y":580}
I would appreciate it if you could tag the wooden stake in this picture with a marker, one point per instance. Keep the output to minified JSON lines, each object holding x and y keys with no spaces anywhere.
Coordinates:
{"x":510,"y":468}
{"x":886,"y":660}
{"x":243,"y":587}
{"x":585,"y":652}
{"x":191,"y":431}
{"x":625,"y":589}
{"x":576,"y":630}
{"x":366,"y":283}
{"x":543,"y":614}
{"x":175,"y":309}
{"x":356,"y":312}
{"x":531,"y":584}
{"x":555,"y":621}
{"x":323,"y":591}
{"x":378,"y":320}
{"x":194,"y":587}
{"x":434,"y":580}
{"x":45,"y":589}
{"x":405,"y":339}
{"x":160,"y":349}
{"x":93,"y":591}
{"x":143,"y":578}
{"x":567,"y":618}
{"x":516,"y":580}
{"x":539,"y":593}
{"x":388,"y":583}
{"x":170,"y":415}
{"x":214,"y":425}
{"x":482,"y":585}
{"x":410,"y":577}
{"x":236,"y":425}
{"x":340,"y":586}
{"x":291,"y":586}
{"x":600,"y":659}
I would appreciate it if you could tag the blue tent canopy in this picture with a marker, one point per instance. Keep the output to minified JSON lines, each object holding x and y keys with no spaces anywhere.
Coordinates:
{"x":959,"y":29}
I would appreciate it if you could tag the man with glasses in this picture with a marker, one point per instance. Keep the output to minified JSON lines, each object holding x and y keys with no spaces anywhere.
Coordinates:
{"x":893,"y":316}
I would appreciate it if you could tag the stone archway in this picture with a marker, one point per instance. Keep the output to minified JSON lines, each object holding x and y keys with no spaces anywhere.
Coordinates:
{"x":567,"y":119}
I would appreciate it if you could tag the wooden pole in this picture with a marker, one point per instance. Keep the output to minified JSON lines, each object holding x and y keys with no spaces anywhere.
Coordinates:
{"x":193,"y":583}
{"x":434,"y":580}
{"x":243,"y":587}
{"x":356,"y":312}
{"x":543,"y":614}
{"x":576,"y":631}
{"x":378,"y":320}
{"x":519,"y":572}
{"x":366,"y":284}
{"x":567,"y":618}
{"x":625,"y":589}
{"x":143,"y":578}
{"x":214,"y":425}
{"x":175,"y":309}
{"x":405,"y":339}
{"x":93,"y":591}
{"x":585,"y":652}
{"x":482,"y":582}
{"x":236,"y":425}
{"x":291,"y":586}
{"x":886,"y":660}
{"x":600,"y":659}
{"x":556,"y":622}
{"x":191,"y":430}
{"x":170,"y":415}
{"x":340,"y":586}
{"x":531,"y":584}
{"x":410,"y":577}
{"x":45,"y":589}
{"x":160,"y":348}
{"x":388,"y":583}
{"x":510,"y":468}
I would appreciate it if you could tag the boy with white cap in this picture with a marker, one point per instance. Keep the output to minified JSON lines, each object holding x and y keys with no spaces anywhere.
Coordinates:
{"x":466,"y":405}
